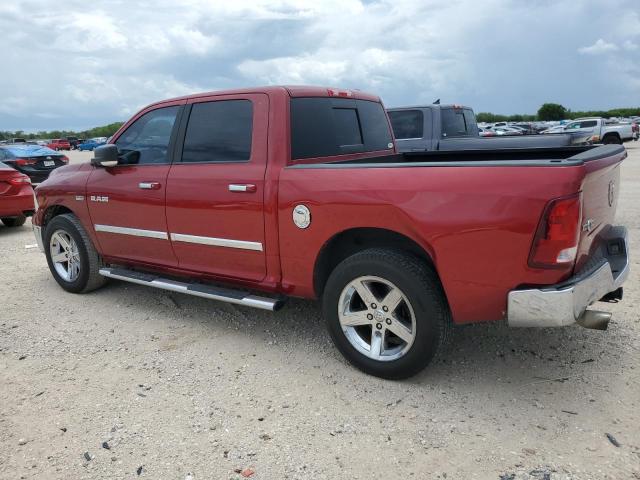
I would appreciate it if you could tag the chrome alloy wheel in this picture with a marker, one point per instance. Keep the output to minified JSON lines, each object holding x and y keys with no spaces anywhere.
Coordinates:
{"x":65,"y":255}
{"x":377,"y":318}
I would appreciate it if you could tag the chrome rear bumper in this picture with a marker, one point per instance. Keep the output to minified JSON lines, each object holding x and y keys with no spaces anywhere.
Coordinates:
{"x":564,"y":304}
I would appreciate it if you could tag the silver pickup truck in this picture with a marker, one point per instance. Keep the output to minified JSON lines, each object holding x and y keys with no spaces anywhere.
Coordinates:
{"x":597,"y":130}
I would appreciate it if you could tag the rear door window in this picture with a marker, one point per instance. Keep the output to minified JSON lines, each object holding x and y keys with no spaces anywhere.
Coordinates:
{"x":588,"y":123}
{"x":459,"y":122}
{"x":324,"y":127}
{"x":407,"y":124}
{"x":453,"y":124}
{"x":219,"y":131}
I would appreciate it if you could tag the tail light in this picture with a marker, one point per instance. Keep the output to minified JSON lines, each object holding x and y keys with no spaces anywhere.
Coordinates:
{"x":65,"y":159}
{"x":556,"y":242}
{"x":19,"y":181}
{"x":24,"y":161}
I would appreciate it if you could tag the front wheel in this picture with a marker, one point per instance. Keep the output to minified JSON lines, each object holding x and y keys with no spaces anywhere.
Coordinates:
{"x":14,"y":221}
{"x":72,"y":258}
{"x":386,"y":312}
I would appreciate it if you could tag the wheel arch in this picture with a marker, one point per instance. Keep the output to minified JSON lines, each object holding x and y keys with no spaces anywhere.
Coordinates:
{"x":353,"y":240}
{"x":54,"y":211}
{"x":612,"y":134}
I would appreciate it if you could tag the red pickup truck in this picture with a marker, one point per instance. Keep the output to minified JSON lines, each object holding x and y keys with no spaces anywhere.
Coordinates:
{"x":59,"y":144}
{"x":299,"y":191}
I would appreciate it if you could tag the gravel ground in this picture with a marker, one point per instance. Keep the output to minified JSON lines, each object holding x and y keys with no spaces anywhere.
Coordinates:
{"x":131,"y":382}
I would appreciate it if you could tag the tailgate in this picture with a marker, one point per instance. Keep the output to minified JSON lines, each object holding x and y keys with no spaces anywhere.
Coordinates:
{"x":600,"y":189}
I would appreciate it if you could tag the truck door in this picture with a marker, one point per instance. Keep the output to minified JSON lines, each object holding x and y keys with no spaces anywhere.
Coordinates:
{"x":127,"y":202}
{"x":582,"y":130}
{"x":215,"y":187}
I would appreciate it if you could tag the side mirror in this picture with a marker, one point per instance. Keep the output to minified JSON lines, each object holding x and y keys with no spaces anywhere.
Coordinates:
{"x":105,"y":156}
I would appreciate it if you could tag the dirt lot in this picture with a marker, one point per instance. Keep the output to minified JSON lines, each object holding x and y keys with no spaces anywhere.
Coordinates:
{"x":184,"y":388}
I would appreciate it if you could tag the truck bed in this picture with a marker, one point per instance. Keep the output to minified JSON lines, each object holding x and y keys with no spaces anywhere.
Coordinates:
{"x":556,"y":156}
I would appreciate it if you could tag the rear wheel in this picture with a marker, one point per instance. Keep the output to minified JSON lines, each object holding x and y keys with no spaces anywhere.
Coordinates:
{"x":72,"y":258}
{"x":611,"y":139}
{"x":386,"y":312}
{"x":14,"y":221}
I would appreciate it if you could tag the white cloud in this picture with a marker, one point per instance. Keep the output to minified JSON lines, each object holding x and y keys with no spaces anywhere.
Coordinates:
{"x":81,"y":65}
{"x":599,"y":48}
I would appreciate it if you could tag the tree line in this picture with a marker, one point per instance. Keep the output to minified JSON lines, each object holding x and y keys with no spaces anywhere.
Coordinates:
{"x":555,"y":111}
{"x":103,"y":131}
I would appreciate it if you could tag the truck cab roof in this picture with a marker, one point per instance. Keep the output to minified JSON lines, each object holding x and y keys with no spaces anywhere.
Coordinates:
{"x":289,"y":90}
{"x":434,"y":106}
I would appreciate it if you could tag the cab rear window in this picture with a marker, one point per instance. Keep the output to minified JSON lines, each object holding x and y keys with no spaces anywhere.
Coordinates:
{"x":325,"y":127}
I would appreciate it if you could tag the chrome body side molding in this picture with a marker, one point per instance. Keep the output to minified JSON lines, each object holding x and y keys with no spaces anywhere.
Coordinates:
{"x":217,"y":242}
{"x":135,"y":232}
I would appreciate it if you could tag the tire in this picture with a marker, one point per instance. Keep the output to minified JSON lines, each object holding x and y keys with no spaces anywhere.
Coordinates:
{"x":611,"y":139}
{"x":14,"y":221}
{"x":423,"y":311}
{"x":87,"y":277}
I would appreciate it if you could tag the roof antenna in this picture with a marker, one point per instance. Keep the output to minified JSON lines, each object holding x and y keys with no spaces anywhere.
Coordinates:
{"x":437,"y":102}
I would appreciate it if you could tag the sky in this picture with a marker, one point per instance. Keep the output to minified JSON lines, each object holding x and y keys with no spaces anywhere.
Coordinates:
{"x":78,"y":64}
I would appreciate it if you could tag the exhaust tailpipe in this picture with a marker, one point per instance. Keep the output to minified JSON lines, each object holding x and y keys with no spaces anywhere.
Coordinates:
{"x":594,"y":319}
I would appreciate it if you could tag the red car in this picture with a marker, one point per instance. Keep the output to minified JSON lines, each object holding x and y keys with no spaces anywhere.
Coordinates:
{"x":59,"y":144}
{"x":299,"y":191}
{"x":16,"y":197}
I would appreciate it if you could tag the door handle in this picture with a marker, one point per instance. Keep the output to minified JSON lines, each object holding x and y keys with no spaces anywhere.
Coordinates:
{"x":149,"y":185}
{"x":244,"y":187}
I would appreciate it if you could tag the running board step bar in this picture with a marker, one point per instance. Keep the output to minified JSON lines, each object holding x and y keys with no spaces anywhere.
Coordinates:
{"x":237,"y":297}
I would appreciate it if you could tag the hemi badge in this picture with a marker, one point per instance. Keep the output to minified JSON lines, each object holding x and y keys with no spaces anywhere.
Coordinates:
{"x":79,"y":197}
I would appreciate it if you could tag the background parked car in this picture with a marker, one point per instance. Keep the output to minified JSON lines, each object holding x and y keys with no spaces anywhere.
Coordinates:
{"x":59,"y":144}
{"x":90,"y":144}
{"x":507,"y":131}
{"x":16,"y":197}
{"x":555,"y":129}
{"x":35,"y":161}
{"x":73,"y":142}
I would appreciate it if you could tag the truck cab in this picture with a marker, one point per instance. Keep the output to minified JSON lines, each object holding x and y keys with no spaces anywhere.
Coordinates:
{"x":429,"y":128}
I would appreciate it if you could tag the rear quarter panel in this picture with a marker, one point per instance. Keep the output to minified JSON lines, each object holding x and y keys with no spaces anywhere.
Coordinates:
{"x":476,"y":223}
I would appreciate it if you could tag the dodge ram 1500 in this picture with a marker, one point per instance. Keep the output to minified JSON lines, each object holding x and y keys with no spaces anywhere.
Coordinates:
{"x":299,"y":191}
